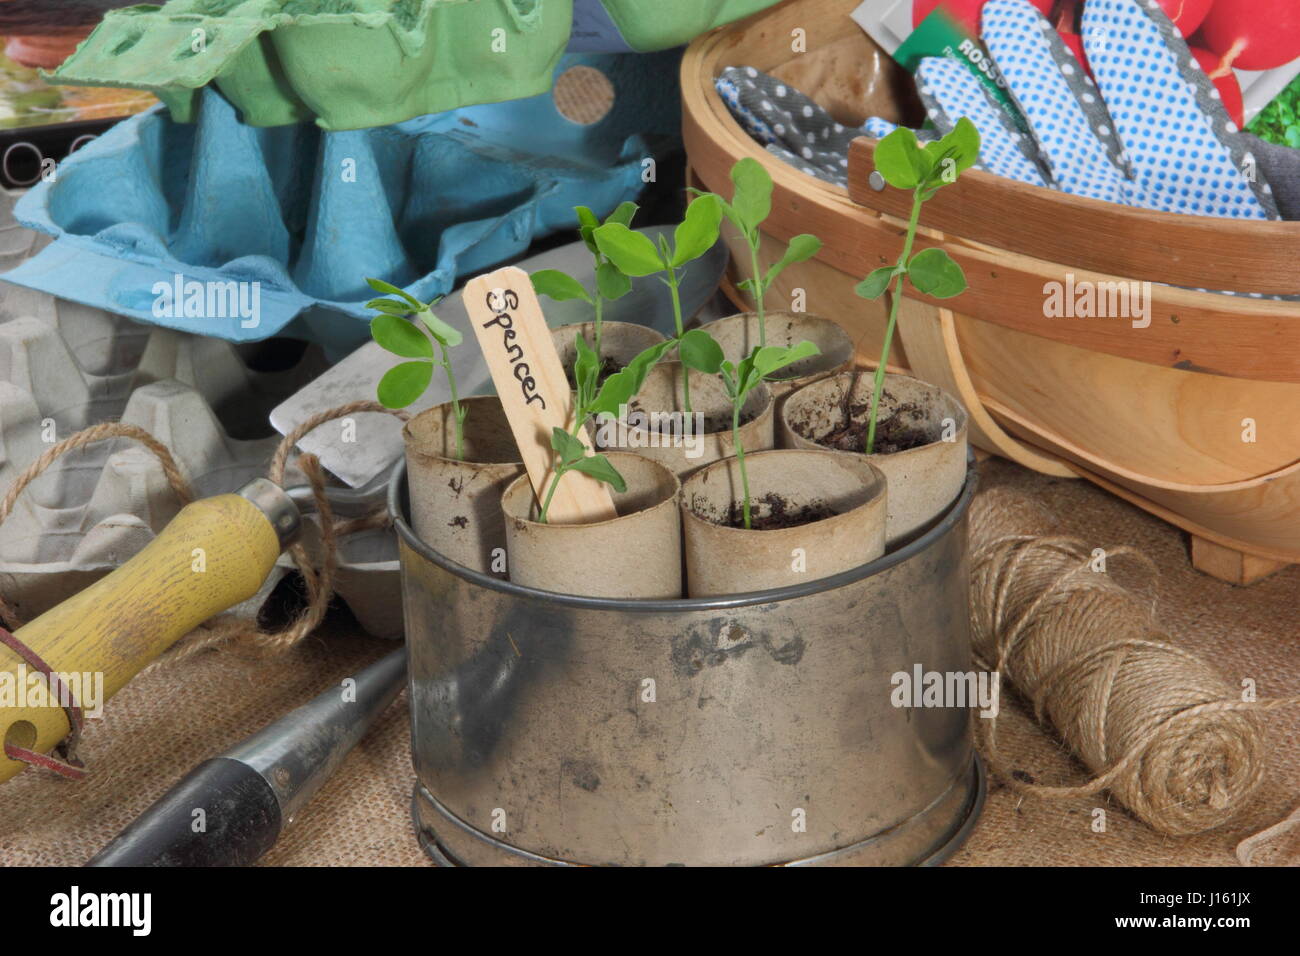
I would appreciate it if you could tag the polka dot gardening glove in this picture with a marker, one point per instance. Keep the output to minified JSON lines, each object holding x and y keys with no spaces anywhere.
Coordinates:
{"x":790,"y":125}
{"x":1151,"y":132}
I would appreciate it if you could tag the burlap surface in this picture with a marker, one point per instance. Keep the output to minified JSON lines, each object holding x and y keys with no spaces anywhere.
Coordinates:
{"x":164,"y":723}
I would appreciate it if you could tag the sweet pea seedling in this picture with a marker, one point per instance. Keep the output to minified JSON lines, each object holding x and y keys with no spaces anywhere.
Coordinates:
{"x":611,"y":282}
{"x":751,"y":204}
{"x":635,"y":255}
{"x":905,"y":164}
{"x":616,"y":391}
{"x":740,"y":380}
{"x":402,"y":384}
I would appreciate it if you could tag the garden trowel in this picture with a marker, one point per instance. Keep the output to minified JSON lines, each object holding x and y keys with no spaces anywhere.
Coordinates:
{"x":366,"y":450}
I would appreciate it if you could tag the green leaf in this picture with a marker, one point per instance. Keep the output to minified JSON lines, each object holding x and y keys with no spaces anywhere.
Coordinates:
{"x":389,"y":307}
{"x":649,"y":358}
{"x":444,"y":332}
{"x":728,"y":374}
{"x":556,"y":285}
{"x":800,"y":249}
{"x":587,"y":224}
{"x":400,"y":337}
{"x":586,"y":371}
{"x":942,"y":165}
{"x":566,"y":446}
{"x":632,"y":252}
{"x":621,"y":387}
{"x":962,"y":146}
{"x":933,"y":272}
{"x":599,"y":467}
{"x":876,"y":284}
{"x":665,"y":250}
{"x":746,"y":376}
{"x":611,"y":283}
{"x":698,"y":350}
{"x":773,"y":357}
{"x":752,"y":200}
{"x":403,"y":384}
{"x":729,"y":213}
{"x":387,"y":288}
{"x":623,"y":214}
{"x":900,"y":159}
{"x":698,"y":231}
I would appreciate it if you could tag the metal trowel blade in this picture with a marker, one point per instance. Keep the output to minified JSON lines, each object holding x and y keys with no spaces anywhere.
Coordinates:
{"x":366,"y":450}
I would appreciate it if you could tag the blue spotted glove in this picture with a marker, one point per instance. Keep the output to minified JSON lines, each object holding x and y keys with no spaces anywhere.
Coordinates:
{"x":790,"y":125}
{"x":1151,"y":132}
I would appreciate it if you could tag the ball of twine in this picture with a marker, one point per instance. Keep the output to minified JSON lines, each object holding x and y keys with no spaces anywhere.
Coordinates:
{"x":1162,"y":731}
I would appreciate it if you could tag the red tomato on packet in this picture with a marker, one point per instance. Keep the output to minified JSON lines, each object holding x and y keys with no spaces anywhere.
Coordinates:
{"x":1241,"y":34}
{"x":1226,"y":83}
{"x":1252,"y":34}
{"x":1188,"y":15}
{"x":967,"y":12}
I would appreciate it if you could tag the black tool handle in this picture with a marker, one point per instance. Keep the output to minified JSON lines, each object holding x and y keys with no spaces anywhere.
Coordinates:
{"x":223,"y":813}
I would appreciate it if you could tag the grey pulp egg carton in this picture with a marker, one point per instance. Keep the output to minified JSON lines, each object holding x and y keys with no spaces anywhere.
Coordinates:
{"x":66,"y":366}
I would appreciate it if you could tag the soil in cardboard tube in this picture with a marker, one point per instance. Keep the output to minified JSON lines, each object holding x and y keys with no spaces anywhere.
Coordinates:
{"x":779,"y":514}
{"x":907,"y":428}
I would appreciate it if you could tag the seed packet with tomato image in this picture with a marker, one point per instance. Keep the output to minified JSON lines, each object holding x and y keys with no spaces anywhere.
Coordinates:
{"x":1249,"y":48}
{"x":911,"y":30}
{"x":1256,"y":44}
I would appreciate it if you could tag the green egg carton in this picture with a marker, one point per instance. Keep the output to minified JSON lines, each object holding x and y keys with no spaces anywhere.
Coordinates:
{"x":347,"y":64}
{"x":660,"y":24}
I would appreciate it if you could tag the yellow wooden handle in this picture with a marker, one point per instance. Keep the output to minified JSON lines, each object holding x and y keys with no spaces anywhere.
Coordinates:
{"x":214,"y":554}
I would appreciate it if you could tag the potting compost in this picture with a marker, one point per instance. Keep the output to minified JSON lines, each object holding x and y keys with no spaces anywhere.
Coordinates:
{"x":708,"y":540}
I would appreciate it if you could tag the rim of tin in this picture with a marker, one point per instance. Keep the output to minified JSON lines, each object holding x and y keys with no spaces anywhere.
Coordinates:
{"x":397,"y":494}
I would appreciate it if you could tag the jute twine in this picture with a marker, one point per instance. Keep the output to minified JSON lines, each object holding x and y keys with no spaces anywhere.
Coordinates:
{"x":1162,"y":731}
{"x":230,"y":629}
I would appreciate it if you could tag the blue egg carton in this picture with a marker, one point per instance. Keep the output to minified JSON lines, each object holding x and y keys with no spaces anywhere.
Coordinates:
{"x":198,"y":226}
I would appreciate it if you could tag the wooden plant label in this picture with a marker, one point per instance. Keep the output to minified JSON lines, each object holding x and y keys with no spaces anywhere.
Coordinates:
{"x":530,"y":381}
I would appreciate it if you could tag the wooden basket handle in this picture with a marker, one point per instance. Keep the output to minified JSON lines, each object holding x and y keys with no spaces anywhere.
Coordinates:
{"x":934,"y":355}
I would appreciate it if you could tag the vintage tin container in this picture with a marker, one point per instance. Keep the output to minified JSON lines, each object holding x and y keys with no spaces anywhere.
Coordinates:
{"x":757,"y":729}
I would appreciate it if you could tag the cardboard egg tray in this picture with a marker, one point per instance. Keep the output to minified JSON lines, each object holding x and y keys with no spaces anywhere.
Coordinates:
{"x":66,"y":366}
{"x":292,"y":219}
{"x":350,"y":64}
{"x":346,"y":63}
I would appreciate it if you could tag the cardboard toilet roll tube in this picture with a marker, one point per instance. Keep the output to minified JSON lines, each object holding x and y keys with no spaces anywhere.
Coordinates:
{"x":456,"y":505}
{"x":636,"y":555}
